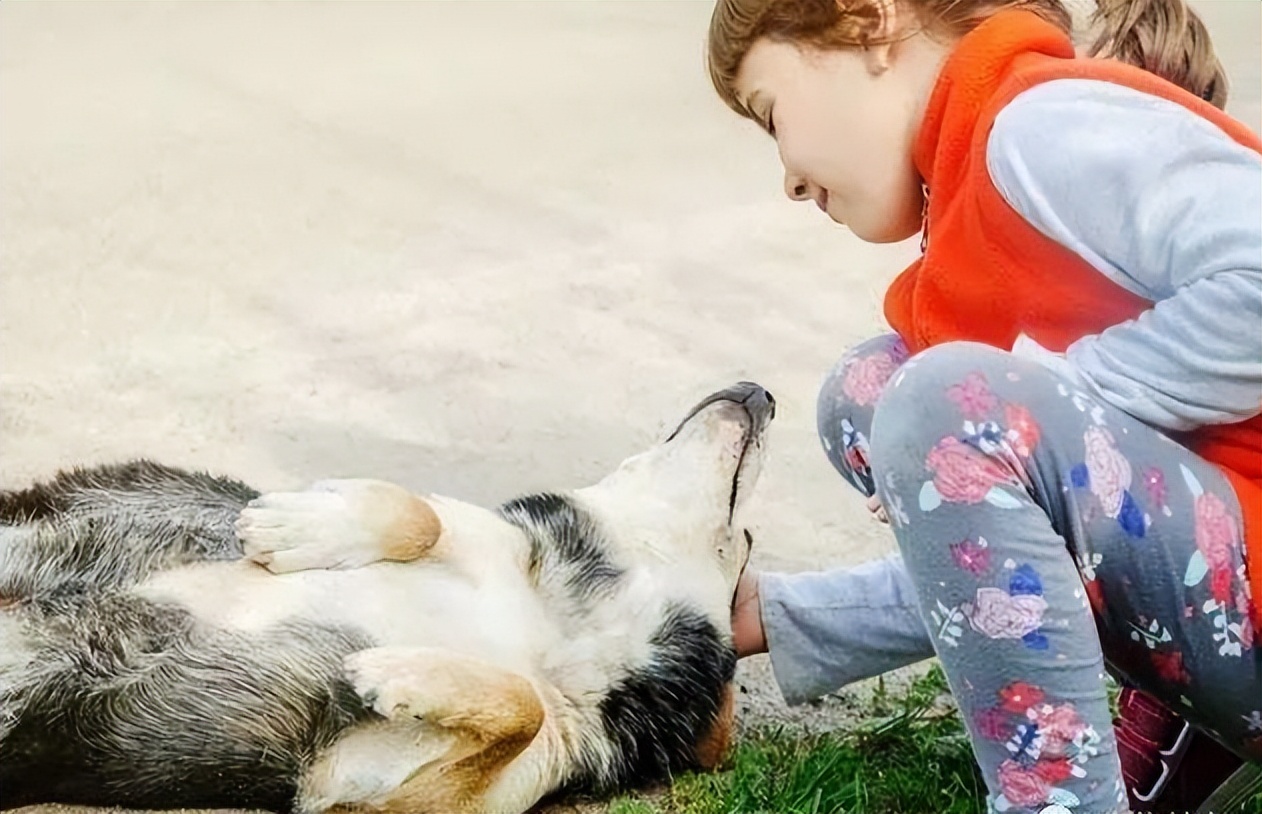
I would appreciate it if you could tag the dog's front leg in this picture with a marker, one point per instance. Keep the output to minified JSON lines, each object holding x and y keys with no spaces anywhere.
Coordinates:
{"x":337,"y":524}
{"x":487,"y":714}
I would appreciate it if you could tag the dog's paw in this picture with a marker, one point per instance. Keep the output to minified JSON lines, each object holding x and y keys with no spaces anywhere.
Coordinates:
{"x":322,"y":527}
{"x":387,"y":679}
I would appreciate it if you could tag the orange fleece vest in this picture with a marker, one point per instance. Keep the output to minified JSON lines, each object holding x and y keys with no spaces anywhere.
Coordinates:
{"x":987,"y":275}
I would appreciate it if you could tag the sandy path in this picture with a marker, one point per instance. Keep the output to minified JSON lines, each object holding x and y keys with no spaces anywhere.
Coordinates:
{"x":476,"y":248}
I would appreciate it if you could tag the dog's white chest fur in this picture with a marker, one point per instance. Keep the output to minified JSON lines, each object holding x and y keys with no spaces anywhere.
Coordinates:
{"x":396,"y":604}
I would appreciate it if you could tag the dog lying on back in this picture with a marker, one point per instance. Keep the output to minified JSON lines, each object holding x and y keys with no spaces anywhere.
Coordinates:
{"x":173,"y":639}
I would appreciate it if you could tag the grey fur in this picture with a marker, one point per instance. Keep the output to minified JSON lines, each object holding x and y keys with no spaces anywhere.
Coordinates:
{"x":110,"y":698}
{"x":121,"y":700}
{"x":565,"y":545}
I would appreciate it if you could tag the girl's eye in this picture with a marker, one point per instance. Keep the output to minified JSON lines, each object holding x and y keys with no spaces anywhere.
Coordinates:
{"x":771,"y":122}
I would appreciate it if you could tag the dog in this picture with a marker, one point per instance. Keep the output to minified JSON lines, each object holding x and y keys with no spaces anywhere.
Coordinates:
{"x":176,"y":639}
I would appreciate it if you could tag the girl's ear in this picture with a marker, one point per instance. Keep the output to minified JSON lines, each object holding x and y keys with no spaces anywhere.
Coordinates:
{"x":882,"y":19}
{"x":877,"y":58}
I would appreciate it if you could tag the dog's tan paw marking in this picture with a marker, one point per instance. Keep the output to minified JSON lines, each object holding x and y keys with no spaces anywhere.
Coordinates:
{"x":387,"y":681}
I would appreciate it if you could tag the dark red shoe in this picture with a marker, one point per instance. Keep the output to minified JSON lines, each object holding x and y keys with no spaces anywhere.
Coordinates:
{"x":1167,"y":766}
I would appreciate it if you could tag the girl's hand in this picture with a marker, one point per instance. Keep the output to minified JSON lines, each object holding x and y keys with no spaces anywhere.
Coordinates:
{"x":878,"y":511}
{"x":748,"y":635}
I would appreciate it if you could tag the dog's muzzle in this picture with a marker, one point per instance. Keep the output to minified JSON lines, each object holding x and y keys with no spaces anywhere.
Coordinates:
{"x":758,"y":403}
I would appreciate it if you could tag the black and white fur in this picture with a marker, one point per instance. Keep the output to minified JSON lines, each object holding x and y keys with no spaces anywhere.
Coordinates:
{"x":146,"y":662}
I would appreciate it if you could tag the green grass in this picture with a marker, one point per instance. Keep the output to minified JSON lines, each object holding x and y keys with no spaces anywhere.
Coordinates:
{"x":913,"y":757}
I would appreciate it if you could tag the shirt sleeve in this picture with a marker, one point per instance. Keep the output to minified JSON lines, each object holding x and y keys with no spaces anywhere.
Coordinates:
{"x":827,"y":629}
{"x":1166,"y":205}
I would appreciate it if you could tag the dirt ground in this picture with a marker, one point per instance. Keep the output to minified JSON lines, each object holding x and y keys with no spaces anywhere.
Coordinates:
{"x":474,"y":248}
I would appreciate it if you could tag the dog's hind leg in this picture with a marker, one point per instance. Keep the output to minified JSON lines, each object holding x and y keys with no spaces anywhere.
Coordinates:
{"x":490,"y":715}
{"x":16,"y":655}
{"x":13,"y":539}
{"x":123,"y":701}
{"x":113,"y":525}
{"x":141,"y":488}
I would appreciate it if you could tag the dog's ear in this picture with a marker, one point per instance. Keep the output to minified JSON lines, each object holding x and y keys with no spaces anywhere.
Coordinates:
{"x":713,"y":746}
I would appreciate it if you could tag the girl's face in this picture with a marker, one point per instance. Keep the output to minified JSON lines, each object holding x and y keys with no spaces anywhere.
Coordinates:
{"x":845,"y":122}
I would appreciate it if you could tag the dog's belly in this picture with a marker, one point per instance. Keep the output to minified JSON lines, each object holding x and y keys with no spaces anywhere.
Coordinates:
{"x":497,"y":617}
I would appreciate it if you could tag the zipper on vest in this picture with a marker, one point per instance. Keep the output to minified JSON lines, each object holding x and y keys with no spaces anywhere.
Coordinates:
{"x":924,"y":219}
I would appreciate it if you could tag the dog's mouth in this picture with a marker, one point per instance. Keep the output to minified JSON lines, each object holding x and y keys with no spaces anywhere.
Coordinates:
{"x":749,"y":441}
{"x":759,"y":407}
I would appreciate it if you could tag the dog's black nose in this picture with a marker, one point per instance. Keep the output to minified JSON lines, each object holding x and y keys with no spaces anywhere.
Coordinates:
{"x":758,"y":401}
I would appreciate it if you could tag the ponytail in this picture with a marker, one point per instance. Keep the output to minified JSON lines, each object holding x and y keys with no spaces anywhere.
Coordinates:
{"x":1164,"y":37}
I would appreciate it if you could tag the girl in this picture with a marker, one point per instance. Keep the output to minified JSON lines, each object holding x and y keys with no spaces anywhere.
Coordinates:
{"x":1064,"y":428}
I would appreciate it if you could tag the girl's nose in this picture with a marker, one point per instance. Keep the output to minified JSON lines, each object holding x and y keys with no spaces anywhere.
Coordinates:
{"x":796,"y":188}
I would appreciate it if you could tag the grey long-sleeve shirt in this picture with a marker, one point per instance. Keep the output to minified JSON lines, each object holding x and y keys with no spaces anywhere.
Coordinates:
{"x":1161,"y":202}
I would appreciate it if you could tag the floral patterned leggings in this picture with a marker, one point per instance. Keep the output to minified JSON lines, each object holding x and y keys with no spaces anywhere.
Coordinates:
{"x":1048,"y":533}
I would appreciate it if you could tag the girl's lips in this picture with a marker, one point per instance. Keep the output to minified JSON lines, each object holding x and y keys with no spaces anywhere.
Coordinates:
{"x":822,"y":201}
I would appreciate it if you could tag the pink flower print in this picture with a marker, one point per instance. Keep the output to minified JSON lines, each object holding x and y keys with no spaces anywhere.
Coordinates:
{"x":1218,"y":539}
{"x":1021,"y":786}
{"x":1059,"y":726}
{"x":962,"y":474}
{"x":1019,"y":696}
{"x":973,"y":557}
{"x":1155,"y":482}
{"x":866,"y":377}
{"x":973,"y":396}
{"x":1217,"y":533}
{"x":999,"y":615}
{"x":993,"y":724}
{"x":1023,"y":431}
{"x":1109,"y":470}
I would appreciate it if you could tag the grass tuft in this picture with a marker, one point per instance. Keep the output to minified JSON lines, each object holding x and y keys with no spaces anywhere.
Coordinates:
{"x":914,"y":758}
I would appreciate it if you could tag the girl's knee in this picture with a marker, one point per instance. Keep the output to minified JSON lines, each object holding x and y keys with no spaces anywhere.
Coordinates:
{"x":859,"y":377}
{"x":930,"y":372}
{"x":845,"y":404}
{"x":923,"y":400}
